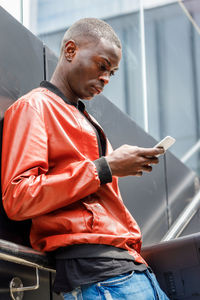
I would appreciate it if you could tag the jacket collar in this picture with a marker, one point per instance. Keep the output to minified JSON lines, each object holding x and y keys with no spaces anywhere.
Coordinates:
{"x":51,"y":87}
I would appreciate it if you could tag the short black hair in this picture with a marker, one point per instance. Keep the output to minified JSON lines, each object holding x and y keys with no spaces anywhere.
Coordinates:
{"x":91,"y":28}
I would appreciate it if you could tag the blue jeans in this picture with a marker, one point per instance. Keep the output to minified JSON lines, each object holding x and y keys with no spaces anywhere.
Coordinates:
{"x":129,"y":286}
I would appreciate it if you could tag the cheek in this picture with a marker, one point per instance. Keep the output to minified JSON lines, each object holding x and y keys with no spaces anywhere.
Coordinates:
{"x":81,"y":74}
{"x":86,"y":69}
{"x":84,"y":74}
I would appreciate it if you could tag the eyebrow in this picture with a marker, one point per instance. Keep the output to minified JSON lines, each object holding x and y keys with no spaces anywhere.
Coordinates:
{"x":108,"y":62}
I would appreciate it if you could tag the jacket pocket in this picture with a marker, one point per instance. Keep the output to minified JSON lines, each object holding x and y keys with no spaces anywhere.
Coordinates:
{"x":91,"y":215}
{"x":117,"y":280}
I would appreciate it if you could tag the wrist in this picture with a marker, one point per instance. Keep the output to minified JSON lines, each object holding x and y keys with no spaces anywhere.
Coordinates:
{"x":111,"y":165}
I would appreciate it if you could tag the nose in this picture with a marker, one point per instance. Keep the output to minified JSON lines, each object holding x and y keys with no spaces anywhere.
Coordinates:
{"x":105,"y":78}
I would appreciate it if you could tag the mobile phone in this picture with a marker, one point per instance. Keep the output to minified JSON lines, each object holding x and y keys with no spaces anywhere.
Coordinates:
{"x":167,"y":142}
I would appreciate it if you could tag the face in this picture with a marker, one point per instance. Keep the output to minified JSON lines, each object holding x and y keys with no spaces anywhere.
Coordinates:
{"x":90,"y":67}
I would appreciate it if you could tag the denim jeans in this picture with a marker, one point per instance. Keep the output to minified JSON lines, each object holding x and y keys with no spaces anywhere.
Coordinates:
{"x":129,"y":286}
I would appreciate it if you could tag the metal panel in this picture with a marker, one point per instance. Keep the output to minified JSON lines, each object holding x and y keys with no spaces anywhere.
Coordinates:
{"x":21,"y":60}
{"x":177,"y":266}
{"x":193,"y":226}
{"x":21,"y":69}
{"x":27,"y":275}
{"x":181,"y":185}
{"x":50,"y":62}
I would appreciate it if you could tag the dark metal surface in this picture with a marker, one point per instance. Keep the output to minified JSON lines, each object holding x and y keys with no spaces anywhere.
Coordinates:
{"x":9,"y":270}
{"x":177,"y":266}
{"x":24,"y":255}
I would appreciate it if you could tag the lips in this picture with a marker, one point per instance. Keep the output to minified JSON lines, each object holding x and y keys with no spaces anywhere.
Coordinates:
{"x":98,"y":89}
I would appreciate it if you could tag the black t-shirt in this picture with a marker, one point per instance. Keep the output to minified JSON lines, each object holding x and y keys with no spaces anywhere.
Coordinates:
{"x":86,"y":264}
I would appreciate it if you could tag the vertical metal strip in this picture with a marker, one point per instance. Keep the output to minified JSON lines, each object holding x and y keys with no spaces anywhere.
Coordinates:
{"x":167,"y":194}
{"x":143,"y":61}
{"x":159,"y":78}
{"x":22,"y":12}
{"x":44,"y":62}
{"x":126,"y":82}
{"x":195,"y":89}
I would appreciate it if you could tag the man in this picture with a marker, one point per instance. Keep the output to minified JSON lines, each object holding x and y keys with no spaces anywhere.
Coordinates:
{"x":60,"y":170}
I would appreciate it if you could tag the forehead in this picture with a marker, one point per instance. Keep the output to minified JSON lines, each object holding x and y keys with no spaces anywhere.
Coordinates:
{"x":107,"y":50}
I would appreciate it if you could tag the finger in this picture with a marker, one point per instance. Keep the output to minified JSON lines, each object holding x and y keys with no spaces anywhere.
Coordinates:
{"x":152,"y":160}
{"x":139,"y":174}
{"x":151,"y":151}
{"x":146,"y":160}
{"x":147,"y":168}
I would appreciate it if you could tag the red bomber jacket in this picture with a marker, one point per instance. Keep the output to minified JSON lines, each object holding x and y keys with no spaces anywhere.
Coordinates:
{"x":49,"y":176}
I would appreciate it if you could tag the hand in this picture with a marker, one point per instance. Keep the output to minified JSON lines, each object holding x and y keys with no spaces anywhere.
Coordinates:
{"x":131,"y":160}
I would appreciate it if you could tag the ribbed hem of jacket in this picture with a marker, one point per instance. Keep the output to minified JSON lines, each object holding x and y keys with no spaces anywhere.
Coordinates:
{"x":103,"y":169}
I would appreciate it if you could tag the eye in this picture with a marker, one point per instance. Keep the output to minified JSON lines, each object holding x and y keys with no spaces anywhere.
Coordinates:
{"x":102,"y":67}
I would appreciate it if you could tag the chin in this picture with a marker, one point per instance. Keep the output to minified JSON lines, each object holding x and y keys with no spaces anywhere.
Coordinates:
{"x":88,"y":98}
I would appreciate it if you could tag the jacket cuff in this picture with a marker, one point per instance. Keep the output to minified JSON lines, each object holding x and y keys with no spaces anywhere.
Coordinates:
{"x":103,"y":169}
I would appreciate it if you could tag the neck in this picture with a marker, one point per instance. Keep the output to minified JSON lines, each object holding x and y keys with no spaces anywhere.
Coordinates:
{"x":62,"y":84}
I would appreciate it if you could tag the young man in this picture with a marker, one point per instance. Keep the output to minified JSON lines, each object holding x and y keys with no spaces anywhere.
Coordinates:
{"x":60,"y":170}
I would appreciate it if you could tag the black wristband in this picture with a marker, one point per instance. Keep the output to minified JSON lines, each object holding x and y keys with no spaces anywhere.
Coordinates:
{"x":103,"y":169}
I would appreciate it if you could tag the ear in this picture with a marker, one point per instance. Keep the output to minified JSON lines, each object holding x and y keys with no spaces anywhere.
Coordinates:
{"x":70,"y":49}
